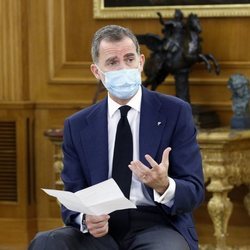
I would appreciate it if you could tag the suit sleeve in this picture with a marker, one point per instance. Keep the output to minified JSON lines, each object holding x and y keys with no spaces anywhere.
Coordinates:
{"x":71,"y":175}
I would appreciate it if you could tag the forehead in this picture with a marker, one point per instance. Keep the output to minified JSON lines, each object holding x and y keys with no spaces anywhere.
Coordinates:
{"x":116,"y":48}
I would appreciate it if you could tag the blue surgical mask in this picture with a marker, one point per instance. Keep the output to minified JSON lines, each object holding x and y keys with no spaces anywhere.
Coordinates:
{"x":123,"y":83}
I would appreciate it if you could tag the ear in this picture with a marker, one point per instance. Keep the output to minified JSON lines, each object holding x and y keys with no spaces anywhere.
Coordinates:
{"x":95,"y":71}
{"x":142,"y":61}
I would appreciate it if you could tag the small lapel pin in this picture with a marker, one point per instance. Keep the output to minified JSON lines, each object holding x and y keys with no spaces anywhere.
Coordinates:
{"x":158,"y":123}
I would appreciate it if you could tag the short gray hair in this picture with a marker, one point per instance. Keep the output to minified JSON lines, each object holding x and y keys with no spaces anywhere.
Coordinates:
{"x":112,"y":33}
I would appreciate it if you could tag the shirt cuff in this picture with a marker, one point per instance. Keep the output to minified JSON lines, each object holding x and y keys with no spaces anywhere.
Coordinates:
{"x":168,"y":197}
{"x":78,"y":220}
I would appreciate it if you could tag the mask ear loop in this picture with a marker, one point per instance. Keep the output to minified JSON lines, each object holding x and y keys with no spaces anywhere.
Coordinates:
{"x":103,"y":81}
{"x":102,"y":73}
{"x":99,"y":69}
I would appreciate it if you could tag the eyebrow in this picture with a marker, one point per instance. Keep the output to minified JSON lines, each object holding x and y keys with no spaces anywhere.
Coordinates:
{"x":111,"y":59}
{"x":129,"y":55}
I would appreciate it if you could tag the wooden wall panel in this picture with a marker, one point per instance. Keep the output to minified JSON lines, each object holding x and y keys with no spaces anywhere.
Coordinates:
{"x":19,"y":216}
{"x":13,"y":51}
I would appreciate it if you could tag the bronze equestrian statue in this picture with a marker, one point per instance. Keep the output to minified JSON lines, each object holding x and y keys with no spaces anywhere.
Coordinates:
{"x":175,"y":53}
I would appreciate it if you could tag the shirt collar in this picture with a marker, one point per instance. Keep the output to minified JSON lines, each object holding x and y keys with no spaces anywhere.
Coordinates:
{"x":134,"y":103}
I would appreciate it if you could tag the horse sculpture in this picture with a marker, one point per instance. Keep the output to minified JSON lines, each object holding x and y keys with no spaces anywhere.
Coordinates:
{"x":175,"y":53}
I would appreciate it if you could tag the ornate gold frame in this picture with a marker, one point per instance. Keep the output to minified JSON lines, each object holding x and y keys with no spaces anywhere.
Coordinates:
{"x":215,"y":10}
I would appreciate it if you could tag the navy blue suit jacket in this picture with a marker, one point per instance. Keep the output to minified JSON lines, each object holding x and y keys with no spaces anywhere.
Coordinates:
{"x":165,"y":121}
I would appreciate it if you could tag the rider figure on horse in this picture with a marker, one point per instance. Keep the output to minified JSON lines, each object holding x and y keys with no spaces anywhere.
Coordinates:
{"x":173,"y":31}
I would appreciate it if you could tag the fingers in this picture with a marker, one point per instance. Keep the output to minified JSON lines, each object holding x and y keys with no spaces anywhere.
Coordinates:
{"x":151,"y":161}
{"x":164,"y":161}
{"x":139,"y":169}
{"x":97,"y":225}
{"x":165,"y":157}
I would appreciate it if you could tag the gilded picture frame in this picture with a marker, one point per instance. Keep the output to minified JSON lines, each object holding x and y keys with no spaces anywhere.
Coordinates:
{"x":101,"y":11}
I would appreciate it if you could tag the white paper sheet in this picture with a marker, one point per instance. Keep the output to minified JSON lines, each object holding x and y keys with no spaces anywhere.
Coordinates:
{"x":102,"y":198}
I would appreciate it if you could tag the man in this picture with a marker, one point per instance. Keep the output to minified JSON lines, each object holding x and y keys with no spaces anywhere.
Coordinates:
{"x":166,"y":181}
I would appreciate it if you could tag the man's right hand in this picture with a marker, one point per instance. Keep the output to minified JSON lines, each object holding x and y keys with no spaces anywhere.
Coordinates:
{"x":98,"y":226}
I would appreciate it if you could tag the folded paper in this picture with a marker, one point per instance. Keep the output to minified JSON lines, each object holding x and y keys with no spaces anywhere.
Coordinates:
{"x":102,"y":198}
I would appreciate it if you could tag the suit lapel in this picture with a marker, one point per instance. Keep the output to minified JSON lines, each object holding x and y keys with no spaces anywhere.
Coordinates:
{"x":152,"y":124}
{"x":95,"y":137}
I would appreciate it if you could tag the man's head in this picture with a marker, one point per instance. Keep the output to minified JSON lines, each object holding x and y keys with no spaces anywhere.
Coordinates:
{"x":117,"y":61}
{"x":111,"y":33}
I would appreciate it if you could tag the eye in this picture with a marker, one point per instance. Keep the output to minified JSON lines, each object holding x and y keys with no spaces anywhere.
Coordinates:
{"x":112,"y":63}
{"x":130,"y":60}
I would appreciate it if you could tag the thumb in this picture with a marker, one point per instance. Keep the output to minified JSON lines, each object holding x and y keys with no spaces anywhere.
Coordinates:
{"x":165,"y":157}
